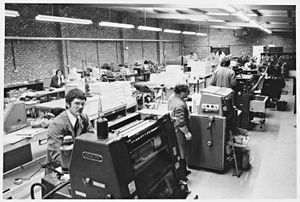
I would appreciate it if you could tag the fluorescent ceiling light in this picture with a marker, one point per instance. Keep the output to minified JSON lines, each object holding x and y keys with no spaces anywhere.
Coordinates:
{"x":210,"y":13}
{"x":172,"y":31}
{"x":201,"y":34}
{"x":155,"y":29}
{"x":10,"y":13}
{"x":189,"y":33}
{"x":247,"y":14}
{"x":216,"y":20}
{"x":241,"y":15}
{"x":229,"y":9}
{"x":224,"y":27}
{"x":50,"y":18}
{"x":279,"y":23}
{"x":114,"y":24}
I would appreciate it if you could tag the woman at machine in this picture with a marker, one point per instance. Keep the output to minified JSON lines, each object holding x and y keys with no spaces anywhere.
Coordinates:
{"x":57,"y":80}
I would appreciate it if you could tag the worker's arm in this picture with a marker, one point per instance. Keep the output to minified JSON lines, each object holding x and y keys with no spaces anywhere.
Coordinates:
{"x":213,"y":81}
{"x":88,"y":127}
{"x":233,"y":79}
{"x":180,"y":120}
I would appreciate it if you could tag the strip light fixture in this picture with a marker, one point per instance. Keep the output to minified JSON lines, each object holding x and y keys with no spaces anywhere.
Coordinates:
{"x":147,"y":28}
{"x":229,"y":9}
{"x":11,"y":13}
{"x":224,"y":27}
{"x":49,"y":18}
{"x":201,"y":34}
{"x":114,"y":24}
{"x":172,"y":31}
{"x":189,"y":33}
{"x":212,"y":13}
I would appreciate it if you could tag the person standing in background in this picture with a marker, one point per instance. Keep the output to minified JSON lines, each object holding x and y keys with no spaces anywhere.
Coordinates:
{"x":223,"y":76}
{"x":181,"y":119}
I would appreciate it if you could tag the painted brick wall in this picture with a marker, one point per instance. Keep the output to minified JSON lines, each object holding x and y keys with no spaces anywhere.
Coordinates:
{"x":238,"y":45}
{"x":134,"y":52}
{"x":33,"y":60}
{"x":172,"y":51}
{"x":26,"y":25}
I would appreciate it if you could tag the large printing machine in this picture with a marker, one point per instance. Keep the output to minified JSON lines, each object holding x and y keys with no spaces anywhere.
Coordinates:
{"x":138,"y":159}
{"x":251,"y":104}
{"x":211,"y":121}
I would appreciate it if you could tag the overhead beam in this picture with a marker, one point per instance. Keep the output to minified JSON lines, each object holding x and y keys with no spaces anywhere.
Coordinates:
{"x":268,"y":7}
{"x":283,"y":30}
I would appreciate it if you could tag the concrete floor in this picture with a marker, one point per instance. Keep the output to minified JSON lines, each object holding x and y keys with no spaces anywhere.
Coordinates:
{"x":273,"y":156}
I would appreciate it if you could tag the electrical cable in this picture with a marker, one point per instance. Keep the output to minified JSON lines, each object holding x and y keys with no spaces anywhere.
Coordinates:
{"x":33,"y":186}
{"x":56,"y":189}
{"x":28,"y":178}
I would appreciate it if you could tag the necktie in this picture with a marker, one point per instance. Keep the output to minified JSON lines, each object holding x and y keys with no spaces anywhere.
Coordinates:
{"x":76,"y":126}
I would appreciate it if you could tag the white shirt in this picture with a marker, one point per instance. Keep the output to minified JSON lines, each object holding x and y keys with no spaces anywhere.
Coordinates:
{"x":72,"y":118}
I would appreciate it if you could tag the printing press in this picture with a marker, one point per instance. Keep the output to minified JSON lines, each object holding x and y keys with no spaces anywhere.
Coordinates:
{"x":211,"y":125}
{"x":139,"y":159}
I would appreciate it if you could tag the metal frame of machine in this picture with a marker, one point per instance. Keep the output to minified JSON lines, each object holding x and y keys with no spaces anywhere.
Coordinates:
{"x":139,"y":159}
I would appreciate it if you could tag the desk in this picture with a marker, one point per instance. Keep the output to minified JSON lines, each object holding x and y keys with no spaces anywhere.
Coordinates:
{"x":129,"y":76}
{"x":31,"y":142}
{"x":58,"y":91}
{"x":22,"y":191}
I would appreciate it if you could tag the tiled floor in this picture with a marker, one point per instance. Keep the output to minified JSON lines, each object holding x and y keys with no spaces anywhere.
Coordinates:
{"x":273,"y":156}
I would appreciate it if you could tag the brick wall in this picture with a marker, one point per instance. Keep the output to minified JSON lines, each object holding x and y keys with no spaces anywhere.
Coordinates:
{"x":238,"y":44}
{"x":35,"y":59}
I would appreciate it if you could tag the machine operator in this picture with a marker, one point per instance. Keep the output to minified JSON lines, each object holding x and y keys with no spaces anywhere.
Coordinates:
{"x":181,"y":118}
{"x":57,"y":80}
{"x":222,"y":75}
{"x":70,"y":122}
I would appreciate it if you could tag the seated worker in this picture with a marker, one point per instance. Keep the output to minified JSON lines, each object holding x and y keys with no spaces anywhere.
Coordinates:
{"x":250,"y":65}
{"x":223,"y":76}
{"x":57,"y":80}
{"x":69,"y":122}
{"x":181,"y":119}
{"x":192,"y":56}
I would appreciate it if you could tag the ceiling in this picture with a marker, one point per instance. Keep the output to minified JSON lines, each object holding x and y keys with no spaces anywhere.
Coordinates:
{"x":276,"y":18}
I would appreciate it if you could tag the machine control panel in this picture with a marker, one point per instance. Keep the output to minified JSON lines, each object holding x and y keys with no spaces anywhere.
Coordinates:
{"x":210,"y":107}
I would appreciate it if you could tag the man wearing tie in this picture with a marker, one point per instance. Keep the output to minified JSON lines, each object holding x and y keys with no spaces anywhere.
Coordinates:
{"x":57,"y":80}
{"x":70,"y":122}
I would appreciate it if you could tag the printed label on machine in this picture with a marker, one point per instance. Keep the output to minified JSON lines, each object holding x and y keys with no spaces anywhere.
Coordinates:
{"x":99,"y":184}
{"x":210,"y":107}
{"x":92,"y":156}
{"x":79,"y":193}
{"x":131,"y":187}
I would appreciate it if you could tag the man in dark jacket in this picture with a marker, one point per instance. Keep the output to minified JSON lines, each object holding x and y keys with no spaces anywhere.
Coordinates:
{"x":181,"y":118}
{"x":70,"y":122}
